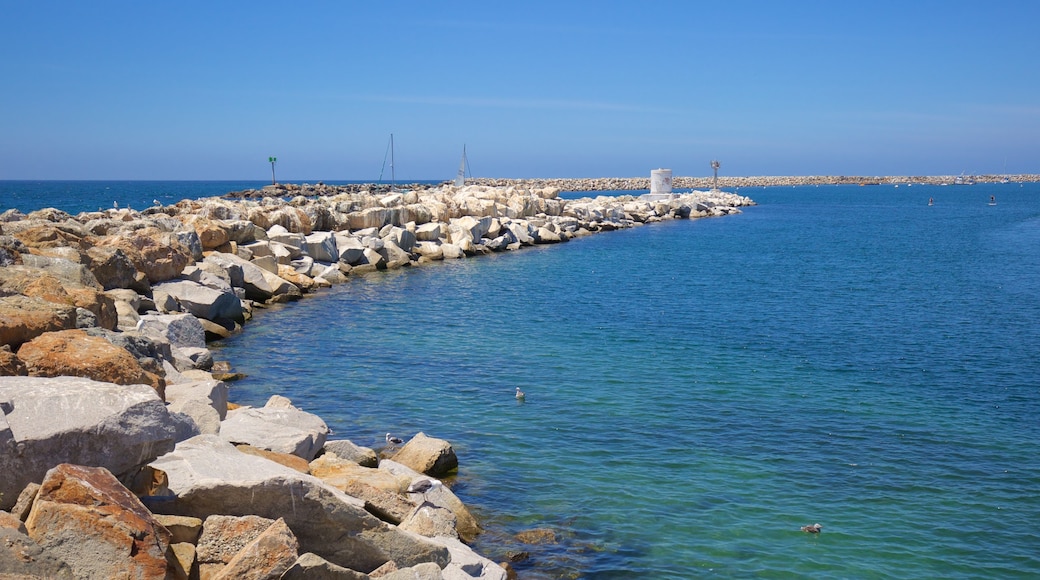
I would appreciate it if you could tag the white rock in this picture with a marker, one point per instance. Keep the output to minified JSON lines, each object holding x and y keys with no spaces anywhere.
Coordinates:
{"x":47,"y":421}
{"x":286,"y":430}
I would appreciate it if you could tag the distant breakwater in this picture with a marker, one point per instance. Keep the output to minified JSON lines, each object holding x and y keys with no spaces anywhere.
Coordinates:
{"x":629,"y":183}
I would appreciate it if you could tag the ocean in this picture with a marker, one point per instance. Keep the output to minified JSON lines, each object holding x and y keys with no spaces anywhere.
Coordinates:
{"x":699,"y":390}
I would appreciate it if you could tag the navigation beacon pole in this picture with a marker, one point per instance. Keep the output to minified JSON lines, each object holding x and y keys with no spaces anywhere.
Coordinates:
{"x":272,"y":160}
{"x":715,"y":181}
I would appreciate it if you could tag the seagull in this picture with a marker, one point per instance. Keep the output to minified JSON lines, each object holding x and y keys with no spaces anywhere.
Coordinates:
{"x":813,"y":529}
{"x":424,"y":486}
{"x":519,"y":394}
{"x":393,"y":440}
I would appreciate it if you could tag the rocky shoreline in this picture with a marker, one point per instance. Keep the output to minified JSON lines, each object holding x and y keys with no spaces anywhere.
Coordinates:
{"x":120,"y":454}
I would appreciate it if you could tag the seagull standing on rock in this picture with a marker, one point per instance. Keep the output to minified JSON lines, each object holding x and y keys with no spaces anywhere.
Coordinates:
{"x":424,"y":486}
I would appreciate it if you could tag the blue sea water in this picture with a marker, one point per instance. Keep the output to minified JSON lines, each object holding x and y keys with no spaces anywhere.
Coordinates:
{"x":698,"y":390}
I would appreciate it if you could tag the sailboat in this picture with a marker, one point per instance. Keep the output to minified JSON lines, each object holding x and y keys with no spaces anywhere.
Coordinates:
{"x":390,"y":152}
{"x":460,"y":177}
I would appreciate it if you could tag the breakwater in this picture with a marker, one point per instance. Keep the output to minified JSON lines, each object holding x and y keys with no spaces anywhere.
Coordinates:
{"x":116,"y":306}
{"x":632,"y":183}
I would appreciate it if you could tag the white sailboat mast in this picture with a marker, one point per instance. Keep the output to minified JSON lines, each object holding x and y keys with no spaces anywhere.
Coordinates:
{"x":460,"y":178}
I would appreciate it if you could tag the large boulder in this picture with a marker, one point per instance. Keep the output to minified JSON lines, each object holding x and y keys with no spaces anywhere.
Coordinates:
{"x":76,"y":353}
{"x":181,"y":330}
{"x":428,"y":455}
{"x":346,"y":449}
{"x":321,"y":246}
{"x":204,"y":401}
{"x":351,"y":250}
{"x":95,"y":525}
{"x":23,"y":318}
{"x":38,"y":283}
{"x":259,"y":284}
{"x":100,"y":424}
{"x":223,"y":537}
{"x":380,"y":489}
{"x":112,"y":268}
{"x":63,"y":269}
{"x":209,"y":476}
{"x":285,"y":429}
{"x":267,"y":557}
{"x":158,"y":254}
{"x":199,"y":300}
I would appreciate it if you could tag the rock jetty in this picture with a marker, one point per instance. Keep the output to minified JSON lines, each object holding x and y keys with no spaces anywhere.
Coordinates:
{"x":120,"y":454}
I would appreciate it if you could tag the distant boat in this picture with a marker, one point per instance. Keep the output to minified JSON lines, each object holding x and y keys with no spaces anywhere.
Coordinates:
{"x":390,"y":152}
{"x":964,"y":179}
{"x":460,"y":177}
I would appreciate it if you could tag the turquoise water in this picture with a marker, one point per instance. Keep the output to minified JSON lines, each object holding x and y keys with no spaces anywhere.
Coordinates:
{"x":698,"y":390}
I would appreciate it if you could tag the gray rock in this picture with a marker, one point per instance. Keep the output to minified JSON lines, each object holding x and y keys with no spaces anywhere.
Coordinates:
{"x":64,"y":269}
{"x":286,"y":430}
{"x":21,"y":557}
{"x":345,"y":449}
{"x":311,"y":566}
{"x":202,"y":301}
{"x":466,"y":564}
{"x":185,"y":426}
{"x":211,"y":392}
{"x":351,"y":250}
{"x":209,"y":476}
{"x":86,"y":319}
{"x":100,"y":424}
{"x":190,"y":238}
{"x":321,"y":246}
{"x":182,"y":330}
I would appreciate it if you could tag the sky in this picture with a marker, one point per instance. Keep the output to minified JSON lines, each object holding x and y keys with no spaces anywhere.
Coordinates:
{"x":203,"y":90}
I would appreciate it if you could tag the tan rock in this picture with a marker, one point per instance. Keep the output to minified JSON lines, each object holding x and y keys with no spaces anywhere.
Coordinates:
{"x":94,"y":524}
{"x":23,"y":506}
{"x":75,"y":353}
{"x":157,"y":254}
{"x":211,"y":233}
{"x":183,"y":529}
{"x":380,"y":490}
{"x":265,"y":558}
{"x":11,"y":522}
{"x":223,"y":537}
{"x":10,"y":364}
{"x":181,"y":562}
{"x":428,"y":455}
{"x":23,"y":319}
{"x":287,"y":459}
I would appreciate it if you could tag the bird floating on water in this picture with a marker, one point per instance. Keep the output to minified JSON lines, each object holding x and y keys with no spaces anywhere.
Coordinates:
{"x":519,"y":394}
{"x":813,"y":529}
{"x":393,"y":440}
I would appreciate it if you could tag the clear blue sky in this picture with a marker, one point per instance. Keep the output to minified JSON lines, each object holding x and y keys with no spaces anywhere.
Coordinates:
{"x":208,"y":90}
